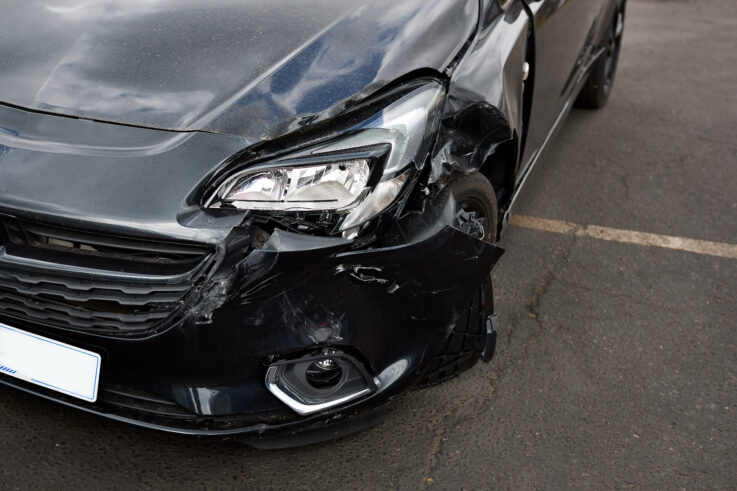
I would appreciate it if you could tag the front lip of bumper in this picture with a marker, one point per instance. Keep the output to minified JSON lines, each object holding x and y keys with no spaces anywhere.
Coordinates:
{"x":236,"y":426}
{"x":296,"y":295}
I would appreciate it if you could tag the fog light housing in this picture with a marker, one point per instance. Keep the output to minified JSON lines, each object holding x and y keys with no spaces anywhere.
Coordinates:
{"x":316,"y":383}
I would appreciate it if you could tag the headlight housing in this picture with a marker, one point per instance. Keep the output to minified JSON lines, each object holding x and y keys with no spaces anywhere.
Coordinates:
{"x":330,"y":186}
{"x":354,"y":177}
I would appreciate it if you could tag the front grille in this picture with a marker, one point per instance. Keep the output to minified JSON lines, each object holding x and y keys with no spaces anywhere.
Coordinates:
{"x":89,"y":281}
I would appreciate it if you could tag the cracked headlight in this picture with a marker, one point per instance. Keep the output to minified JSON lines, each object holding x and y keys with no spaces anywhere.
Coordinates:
{"x":354,"y":177}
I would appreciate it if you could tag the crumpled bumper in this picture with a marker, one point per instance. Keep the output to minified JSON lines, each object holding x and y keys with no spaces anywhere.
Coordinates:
{"x":390,"y":307}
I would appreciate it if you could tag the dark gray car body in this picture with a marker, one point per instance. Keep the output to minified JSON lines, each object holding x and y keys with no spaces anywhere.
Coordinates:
{"x":115,"y":115}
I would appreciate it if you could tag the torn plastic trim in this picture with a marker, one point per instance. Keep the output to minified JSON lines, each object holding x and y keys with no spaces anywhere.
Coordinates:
{"x":296,"y":294}
{"x":244,"y":277}
{"x":277,"y":273}
{"x":281,"y":248}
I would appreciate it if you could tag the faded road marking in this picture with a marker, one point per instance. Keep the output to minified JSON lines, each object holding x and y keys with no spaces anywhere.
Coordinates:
{"x":705,"y":247}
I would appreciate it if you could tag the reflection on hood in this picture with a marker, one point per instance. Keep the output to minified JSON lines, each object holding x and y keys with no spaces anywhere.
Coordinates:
{"x":255,"y":69}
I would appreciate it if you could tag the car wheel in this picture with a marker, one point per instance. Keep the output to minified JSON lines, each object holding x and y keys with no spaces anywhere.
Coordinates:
{"x":596,"y":90}
{"x":461,"y":350}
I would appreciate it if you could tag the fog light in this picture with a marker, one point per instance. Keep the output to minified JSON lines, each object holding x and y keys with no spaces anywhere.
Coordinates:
{"x":325,"y":373}
{"x":322,"y":381}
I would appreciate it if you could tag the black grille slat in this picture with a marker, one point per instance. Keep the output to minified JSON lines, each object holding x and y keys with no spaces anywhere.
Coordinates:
{"x":114,"y":243}
{"x":59,"y":320}
{"x":69,"y":246}
{"x":88,"y":281}
{"x":75,"y":312}
{"x":81,"y":283}
{"x":68,"y":292}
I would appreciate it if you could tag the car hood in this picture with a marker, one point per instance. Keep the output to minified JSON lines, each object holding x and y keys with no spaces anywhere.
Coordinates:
{"x":257,"y":69}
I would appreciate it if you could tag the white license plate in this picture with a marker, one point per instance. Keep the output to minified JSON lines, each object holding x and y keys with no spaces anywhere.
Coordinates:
{"x":48,"y":363}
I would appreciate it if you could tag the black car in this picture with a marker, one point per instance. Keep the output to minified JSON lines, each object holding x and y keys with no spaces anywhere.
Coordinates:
{"x":263,"y":218}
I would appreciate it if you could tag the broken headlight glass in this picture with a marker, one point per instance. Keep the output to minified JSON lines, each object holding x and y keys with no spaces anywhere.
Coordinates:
{"x":355,"y":177}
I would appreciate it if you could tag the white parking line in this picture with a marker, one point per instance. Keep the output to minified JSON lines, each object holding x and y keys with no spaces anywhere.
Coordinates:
{"x":720,"y":249}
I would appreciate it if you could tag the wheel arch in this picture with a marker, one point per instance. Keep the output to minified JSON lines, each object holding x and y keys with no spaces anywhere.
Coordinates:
{"x":489,"y":103}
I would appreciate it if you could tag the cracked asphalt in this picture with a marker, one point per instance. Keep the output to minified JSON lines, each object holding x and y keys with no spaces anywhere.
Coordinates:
{"x":616,"y":365}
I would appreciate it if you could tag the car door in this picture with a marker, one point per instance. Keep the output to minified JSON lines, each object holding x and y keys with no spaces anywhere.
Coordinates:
{"x":564,"y":33}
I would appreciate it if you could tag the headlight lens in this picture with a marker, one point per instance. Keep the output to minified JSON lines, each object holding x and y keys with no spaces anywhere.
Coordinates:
{"x":335,"y":177}
{"x":328,"y":187}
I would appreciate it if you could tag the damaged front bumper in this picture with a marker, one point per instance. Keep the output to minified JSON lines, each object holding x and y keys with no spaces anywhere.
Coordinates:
{"x":208,"y":319}
{"x":387,"y":308}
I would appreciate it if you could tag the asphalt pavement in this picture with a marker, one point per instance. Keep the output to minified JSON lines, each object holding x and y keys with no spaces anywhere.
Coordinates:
{"x":617,"y":362}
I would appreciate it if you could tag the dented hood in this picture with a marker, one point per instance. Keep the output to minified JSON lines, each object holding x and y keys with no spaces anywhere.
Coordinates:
{"x":256,"y":68}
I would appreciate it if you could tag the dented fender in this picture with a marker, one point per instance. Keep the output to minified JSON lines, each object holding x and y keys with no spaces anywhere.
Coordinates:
{"x":485,"y":106}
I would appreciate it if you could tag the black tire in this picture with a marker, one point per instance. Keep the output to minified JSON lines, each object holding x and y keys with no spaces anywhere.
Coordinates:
{"x":462,"y":349}
{"x":473,"y":193}
{"x":597,"y":88}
